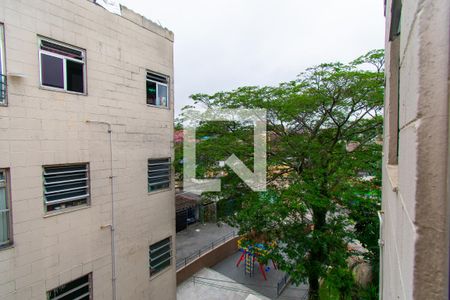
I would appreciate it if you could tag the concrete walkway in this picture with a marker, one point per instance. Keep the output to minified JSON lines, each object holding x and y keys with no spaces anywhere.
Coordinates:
{"x":225,"y":280}
{"x":208,"y":284}
{"x":268,"y":287}
{"x":198,"y":236}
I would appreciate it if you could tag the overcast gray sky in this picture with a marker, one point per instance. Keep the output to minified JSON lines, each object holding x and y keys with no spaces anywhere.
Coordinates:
{"x":223,"y":44}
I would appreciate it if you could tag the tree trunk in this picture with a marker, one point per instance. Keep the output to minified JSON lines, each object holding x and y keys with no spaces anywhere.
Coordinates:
{"x":313,"y":293}
{"x":316,"y":255}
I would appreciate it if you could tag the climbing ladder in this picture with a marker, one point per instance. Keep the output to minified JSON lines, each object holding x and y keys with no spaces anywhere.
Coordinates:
{"x":249,"y":264}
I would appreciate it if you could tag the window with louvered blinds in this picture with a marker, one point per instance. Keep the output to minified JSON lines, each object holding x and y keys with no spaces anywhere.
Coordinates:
{"x":78,"y":289}
{"x":159,"y":173}
{"x":66,"y":186}
{"x":160,"y":255}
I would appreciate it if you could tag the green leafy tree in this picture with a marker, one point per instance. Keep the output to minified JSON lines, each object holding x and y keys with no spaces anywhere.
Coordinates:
{"x":323,"y":135}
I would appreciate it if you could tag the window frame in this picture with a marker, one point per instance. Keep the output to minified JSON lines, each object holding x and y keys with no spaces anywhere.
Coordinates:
{"x":167,"y":85}
{"x":3,"y":102}
{"x":170,"y":259}
{"x":71,"y":208}
{"x":90,"y":284}
{"x":395,"y":22}
{"x":64,"y":59}
{"x":392,"y":95}
{"x":7,"y":187}
{"x":169,"y":163}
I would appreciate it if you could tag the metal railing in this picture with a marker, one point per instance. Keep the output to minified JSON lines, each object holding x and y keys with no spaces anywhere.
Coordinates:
{"x":305,"y":296}
{"x":281,"y":285}
{"x":182,"y":262}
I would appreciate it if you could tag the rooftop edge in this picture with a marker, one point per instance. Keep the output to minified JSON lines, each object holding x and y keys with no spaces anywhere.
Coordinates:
{"x":142,"y":21}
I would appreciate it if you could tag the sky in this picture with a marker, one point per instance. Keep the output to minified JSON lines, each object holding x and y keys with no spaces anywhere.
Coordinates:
{"x":224,"y":44}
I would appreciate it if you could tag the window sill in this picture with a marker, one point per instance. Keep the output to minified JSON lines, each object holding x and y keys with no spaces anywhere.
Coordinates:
{"x":7,"y":247}
{"x":47,"y":88}
{"x":64,"y":211}
{"x":157,"y":106}
{"x":160,"y":191}
{"x":152,"y":277}
{"x":392,"y":172}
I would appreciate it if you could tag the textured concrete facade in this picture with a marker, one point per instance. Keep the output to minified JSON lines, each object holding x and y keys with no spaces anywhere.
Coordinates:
{"x":41,"y":127}
{"x":415,"y":179}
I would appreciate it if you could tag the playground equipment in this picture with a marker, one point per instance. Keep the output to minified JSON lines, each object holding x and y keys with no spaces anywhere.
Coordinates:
{"x":255,"y":252}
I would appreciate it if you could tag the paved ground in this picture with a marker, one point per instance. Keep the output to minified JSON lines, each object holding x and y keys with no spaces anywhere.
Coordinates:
{"x":225,"y":280}
{"x":208,"y":284}
{"x":199,"y":235}
{"x":257,"y":283}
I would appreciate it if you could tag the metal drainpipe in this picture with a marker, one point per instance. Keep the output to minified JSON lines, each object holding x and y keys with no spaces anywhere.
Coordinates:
{"x":381,"y":244}
{"x":112,"y":226}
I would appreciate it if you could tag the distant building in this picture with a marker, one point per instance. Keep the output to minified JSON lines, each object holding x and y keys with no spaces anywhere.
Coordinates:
{"x":415,"y":226}
{"x":187,"y":208}
{"x":86,"y":128}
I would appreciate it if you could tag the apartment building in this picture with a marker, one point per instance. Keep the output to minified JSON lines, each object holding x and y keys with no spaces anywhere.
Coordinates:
{"x":415,"y":213}
{"x":86,"y":128}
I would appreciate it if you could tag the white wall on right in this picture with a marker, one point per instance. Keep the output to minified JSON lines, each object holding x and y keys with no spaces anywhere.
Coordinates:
{"x":415,"y":198}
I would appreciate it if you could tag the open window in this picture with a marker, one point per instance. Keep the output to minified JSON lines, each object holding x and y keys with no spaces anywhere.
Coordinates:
{"x":62,"y":67}
{"x":157,"y":90}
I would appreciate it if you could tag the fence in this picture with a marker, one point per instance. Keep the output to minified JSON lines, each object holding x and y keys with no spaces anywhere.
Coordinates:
{"x":305,"y":296}
{"x":281,"y":285}
{"x":182,"y":262}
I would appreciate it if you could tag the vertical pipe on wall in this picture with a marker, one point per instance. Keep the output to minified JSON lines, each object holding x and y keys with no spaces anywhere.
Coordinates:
{"x":381,"y":244}
{"x":113,"y":224}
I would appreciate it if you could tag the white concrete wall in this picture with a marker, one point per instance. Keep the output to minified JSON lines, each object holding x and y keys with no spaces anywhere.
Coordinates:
{"x":41,"y":127}
{"x":415,"y":202}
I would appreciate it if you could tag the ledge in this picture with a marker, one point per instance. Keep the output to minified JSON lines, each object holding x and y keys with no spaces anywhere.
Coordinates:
{"x":65,"y":211}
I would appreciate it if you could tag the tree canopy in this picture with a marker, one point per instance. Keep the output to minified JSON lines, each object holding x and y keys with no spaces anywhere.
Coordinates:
{"x":323,"y":167}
